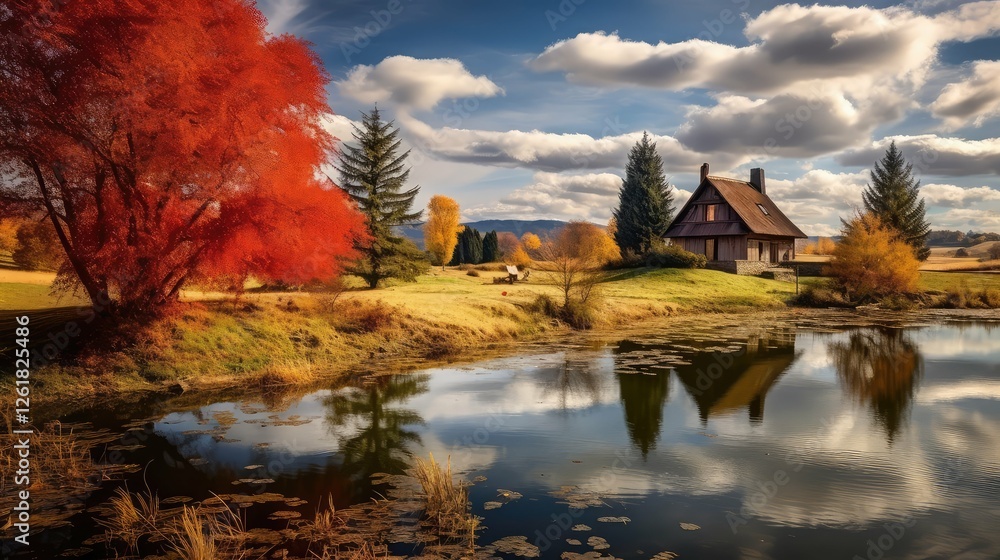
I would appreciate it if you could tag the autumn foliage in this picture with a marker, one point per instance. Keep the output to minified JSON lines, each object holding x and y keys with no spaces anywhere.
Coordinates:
{"x":168,"y":142}
{"x":823,"y":246}
{"x":871,"y":261}
{"x":442,"y":227}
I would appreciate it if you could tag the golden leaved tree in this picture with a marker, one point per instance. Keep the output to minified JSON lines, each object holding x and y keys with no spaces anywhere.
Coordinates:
{"x":872,"y":261}
{"x":442,"y":228}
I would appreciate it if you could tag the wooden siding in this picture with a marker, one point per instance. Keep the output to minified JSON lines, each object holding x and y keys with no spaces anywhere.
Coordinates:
{"x":730,"y":248}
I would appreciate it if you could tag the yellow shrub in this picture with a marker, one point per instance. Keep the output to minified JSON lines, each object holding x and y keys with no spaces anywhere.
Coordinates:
{"x":871,"y":261}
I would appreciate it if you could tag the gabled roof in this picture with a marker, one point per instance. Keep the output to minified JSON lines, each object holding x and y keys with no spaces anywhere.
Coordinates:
{"x":743,"y":198}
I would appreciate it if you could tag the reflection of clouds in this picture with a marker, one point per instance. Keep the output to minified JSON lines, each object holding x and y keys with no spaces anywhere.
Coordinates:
{"x":981,"y":389}
{"x":540,"y":385}
{"x":942,"y":342}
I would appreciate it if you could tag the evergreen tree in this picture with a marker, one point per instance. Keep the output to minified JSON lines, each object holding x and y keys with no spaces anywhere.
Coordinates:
{"x":645,"y":202}
{"x":894,"y":196}
{"x":373,"y":173}
{"x":491,"y":247}
{"x":469,"y":249}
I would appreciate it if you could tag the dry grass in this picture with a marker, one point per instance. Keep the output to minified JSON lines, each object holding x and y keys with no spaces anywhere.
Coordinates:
{"x":132,"y":517}
{"x":200,"y":536}
{"x":446,"y":501}
{"x":289,"y":371}
{"x":193,"y":533}
{"x":62,"y":471}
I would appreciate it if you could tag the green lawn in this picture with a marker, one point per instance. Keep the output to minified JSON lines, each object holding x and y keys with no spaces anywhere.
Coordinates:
{"x":937,"y":281}
{"x":942,"y":281}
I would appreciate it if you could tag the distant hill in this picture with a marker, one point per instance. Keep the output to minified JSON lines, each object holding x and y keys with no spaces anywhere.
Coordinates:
{"x":517,"y":227}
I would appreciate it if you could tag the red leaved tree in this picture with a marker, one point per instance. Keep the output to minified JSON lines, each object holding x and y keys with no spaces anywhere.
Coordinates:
{"x":168,"y":142}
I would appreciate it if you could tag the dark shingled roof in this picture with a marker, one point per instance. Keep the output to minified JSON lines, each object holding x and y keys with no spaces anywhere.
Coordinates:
{"x":743,"y":198}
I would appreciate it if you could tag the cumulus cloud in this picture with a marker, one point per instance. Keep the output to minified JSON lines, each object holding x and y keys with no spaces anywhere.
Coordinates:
{"x":818,"y":199}
{"x":791,"y":125}
{"x":790,"y":44}
{"x":931,"y":154}
{"x":413,"y":83}
{"x":968,"y":219}
{"x":586,"y":196}
{"x":849,"y":69}
{"x":973,"y":100}
{"x":547,"y":151}
{"x":957,"y":197}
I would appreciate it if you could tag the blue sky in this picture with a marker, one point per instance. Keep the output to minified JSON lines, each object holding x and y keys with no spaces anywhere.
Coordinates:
{"x":526,"y":110}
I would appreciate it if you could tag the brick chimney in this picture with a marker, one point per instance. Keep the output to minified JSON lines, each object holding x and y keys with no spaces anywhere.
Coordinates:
{"x":757,"y":180}
{"x":704,"y":172}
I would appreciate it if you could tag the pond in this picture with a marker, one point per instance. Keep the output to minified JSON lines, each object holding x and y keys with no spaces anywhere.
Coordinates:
{"x":719,"y":441}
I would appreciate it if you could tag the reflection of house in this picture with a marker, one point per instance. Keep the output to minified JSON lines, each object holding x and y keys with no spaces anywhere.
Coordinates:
{"x":735,"y":225}
{"x":723,"y":382}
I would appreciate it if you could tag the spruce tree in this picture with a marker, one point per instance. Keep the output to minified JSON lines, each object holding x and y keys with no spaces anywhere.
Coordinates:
{"x":645,"y":202}
{"x":491,"y":247}
{"x":894,"y":196}
{"x":374,"y":174}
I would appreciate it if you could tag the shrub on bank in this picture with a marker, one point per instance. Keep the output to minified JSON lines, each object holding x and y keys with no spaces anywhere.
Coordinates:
{"x":672,"y":256}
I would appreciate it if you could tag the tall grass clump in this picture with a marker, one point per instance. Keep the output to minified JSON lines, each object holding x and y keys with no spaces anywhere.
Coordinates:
{"x":446,"y":501}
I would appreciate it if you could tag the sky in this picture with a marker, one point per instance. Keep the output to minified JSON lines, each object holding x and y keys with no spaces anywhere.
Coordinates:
{"x":527,"y":109}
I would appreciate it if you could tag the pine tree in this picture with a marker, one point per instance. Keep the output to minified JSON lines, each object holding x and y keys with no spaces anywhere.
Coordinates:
{"x":491,"y":247}
{"x":894,"y":197}
{"x":373,"y":173}
{"x":645,"y":202}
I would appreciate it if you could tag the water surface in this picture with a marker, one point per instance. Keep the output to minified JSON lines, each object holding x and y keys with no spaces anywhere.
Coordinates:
{"x":778,"y":442}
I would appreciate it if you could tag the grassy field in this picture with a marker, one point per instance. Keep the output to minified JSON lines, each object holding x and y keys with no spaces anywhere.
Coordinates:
{"x":265,"y":339}
{"x":271,"y":339}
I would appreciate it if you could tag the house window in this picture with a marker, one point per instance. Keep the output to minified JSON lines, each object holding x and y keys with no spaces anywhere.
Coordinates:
{"x":710,"y":249}
{"x":762,"y":209}
{"x":710,"y":212}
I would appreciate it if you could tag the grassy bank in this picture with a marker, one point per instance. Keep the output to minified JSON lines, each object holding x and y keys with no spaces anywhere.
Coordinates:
{"x":271,"y":339}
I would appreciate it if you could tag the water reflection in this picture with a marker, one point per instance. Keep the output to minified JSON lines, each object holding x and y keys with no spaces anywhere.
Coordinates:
{"x":881,"y":368}
{"x":382,"y":429}
{"x":722,"y":382}
{"x":643,"y":397}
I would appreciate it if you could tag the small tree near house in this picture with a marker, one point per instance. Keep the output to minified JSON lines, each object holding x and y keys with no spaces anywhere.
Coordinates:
{"x":576,"y":256}
{"x":872,"y":261}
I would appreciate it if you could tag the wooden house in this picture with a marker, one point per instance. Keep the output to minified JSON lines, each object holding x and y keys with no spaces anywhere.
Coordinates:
{"x":735,"y":225}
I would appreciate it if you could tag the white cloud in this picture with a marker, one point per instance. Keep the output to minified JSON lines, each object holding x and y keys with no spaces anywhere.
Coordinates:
{"x":792,"y":125}
{"x":973,"y":100}
{"x":339,"y":126}
{"x":588,"y":196}
{"x":957,"y":197}
{"x":790,"y":44}
{"x":846,"y":70}
{"x":933,"y":155}
{"x":413,"y":83}
{"x":546,"y":151}
{"x":967,"y":219}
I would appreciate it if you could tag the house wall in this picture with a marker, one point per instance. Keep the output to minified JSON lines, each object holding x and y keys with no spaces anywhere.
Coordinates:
{"x":728,"y":248}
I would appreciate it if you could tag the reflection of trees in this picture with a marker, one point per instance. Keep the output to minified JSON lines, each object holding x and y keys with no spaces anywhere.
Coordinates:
{"x":643,"y":397}
{"x":572,"y":379}
{"x":881,"y":368}
{"x":380,"y":444}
